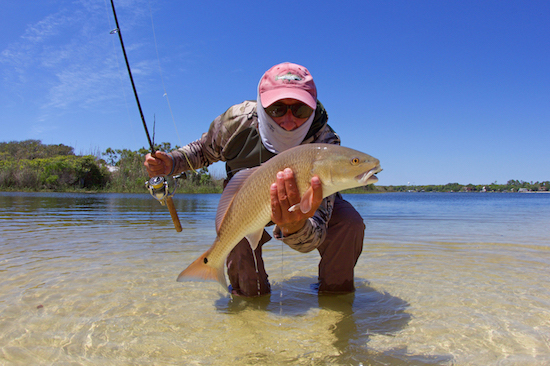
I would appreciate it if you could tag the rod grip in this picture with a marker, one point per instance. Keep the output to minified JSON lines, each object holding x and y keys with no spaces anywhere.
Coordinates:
{"x":173,"y":213}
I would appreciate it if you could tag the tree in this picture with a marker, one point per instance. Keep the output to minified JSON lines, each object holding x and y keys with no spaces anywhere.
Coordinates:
{"x":32,"y":149}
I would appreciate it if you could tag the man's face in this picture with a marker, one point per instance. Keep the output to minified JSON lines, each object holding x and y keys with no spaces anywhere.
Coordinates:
{"x":289,"y":121}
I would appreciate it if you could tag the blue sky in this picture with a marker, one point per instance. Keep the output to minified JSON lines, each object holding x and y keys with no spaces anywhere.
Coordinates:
{"x":439,"y":91}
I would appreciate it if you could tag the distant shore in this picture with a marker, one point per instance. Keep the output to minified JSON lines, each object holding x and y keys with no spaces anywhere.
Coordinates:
{"x":214,"y":190}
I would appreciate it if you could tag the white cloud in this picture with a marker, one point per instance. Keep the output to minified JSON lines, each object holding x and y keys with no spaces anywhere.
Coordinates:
{"x":51,"y":25}
{"x":69,"y":58}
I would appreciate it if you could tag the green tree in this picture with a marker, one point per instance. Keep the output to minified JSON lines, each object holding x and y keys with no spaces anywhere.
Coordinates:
{"x":32,"y":149}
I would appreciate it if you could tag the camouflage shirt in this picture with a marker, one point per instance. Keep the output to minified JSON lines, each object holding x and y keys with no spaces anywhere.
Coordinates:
{"x":233,"y":137}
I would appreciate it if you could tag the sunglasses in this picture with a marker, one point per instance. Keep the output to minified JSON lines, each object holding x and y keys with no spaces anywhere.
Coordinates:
{"x":279,"y":109}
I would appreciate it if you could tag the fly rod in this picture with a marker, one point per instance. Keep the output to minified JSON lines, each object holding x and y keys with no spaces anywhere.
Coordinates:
{"x":157,"y":186}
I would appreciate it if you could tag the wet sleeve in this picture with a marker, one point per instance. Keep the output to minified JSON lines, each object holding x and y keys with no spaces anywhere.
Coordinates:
{"x":313,"y":233}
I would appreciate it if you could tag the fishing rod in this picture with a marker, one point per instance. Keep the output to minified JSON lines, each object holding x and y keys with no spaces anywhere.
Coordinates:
{"x":157,"y":186}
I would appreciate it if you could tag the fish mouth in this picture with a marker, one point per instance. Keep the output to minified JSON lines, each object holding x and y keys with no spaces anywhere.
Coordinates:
{"x":369,"y":177}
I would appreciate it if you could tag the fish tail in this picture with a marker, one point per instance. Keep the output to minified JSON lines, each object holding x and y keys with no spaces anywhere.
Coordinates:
{"x":200,"y":270}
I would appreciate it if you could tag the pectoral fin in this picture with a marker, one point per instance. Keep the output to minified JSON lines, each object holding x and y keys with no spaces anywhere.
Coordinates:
{"x":305,"y":204}
{"x":254,"y":238}
{"x":294,"y":208}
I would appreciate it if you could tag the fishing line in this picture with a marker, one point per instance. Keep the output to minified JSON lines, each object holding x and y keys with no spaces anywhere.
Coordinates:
{"x":120,"y":76}
{"x":157,"y":186}
{"x":165,"y":92}
{"x":118,"y":31}
{"x":257,"y":272}
{"x":282,"y":275}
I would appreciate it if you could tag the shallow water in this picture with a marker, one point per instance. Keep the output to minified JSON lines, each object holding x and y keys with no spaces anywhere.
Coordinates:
{"x":444,"y":279}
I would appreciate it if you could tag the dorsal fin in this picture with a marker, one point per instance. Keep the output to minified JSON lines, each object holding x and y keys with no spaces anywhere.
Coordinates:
{"x":229,"y":193}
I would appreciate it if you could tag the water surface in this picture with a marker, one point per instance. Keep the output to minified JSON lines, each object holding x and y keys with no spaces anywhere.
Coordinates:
{"x":444,"y":279}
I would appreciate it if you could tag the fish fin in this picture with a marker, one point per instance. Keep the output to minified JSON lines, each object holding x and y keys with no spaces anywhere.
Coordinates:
{"x":307,"y":201}
{"x":254,"y":238}
{"x":200,"y":270}
{"x":294,"y":207}
{"x":229,"y":192}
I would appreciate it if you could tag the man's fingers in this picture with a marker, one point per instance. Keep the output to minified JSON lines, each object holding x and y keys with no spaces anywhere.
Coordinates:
{"x":275,"y":205}
{"x":291,"y":188}
{"x":160,"y":164}
{"x":281,"y":191}
{"x":284,"y":195}
{"x":317,"y":191}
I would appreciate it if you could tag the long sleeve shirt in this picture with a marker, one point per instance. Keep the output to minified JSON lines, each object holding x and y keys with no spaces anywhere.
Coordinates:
{"x":233,"y":137}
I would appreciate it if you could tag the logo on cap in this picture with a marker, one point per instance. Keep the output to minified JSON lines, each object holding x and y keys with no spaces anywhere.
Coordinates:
{"x":288,"y":77}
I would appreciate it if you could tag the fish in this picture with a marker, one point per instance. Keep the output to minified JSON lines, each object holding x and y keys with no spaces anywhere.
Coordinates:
{"x":244,"y":208}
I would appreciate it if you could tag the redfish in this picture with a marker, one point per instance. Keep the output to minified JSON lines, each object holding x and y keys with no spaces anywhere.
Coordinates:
{"x":245,"y":205}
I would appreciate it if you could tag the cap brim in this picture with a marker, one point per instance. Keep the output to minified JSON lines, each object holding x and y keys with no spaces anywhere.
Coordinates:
{"x":271,"y":96}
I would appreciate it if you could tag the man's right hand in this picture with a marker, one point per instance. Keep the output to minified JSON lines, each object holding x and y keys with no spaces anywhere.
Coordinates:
{"x":159,"y":165}
{"x":284,"y":194}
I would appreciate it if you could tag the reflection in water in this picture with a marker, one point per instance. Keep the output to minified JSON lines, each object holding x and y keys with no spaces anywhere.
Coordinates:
{"x":102,"y":209}
{"x":359,"y":315}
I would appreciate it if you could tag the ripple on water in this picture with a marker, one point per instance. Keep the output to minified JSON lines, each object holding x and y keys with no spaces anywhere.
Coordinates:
{"x":93,"y":281}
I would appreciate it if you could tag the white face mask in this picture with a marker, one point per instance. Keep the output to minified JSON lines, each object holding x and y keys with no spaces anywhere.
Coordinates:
{"x":274,"y":137}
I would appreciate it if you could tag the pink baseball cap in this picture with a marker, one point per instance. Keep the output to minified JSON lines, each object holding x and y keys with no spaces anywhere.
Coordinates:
{"x":288,"y":80}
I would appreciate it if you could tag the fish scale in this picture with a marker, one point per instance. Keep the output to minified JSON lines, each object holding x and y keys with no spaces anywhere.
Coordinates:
{"x":254,"y":203}
{"x":245,"y":205}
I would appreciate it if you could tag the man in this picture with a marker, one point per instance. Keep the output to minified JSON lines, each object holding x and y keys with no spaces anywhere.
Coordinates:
{"x":285,"y":114}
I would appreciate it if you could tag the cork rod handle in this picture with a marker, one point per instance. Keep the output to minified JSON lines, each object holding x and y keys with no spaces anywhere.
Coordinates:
{"x":173,"y":213}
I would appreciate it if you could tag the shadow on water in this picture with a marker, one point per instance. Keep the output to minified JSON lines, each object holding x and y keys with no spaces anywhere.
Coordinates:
{"x":364,"y":313}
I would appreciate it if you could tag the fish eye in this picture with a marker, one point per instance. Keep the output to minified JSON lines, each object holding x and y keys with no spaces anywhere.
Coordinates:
{"x":355,"y":161}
